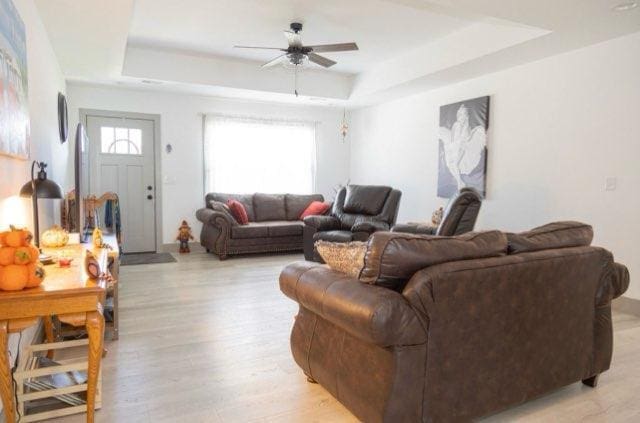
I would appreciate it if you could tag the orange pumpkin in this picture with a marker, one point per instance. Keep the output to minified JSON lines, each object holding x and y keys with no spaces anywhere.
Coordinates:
{"x":14,"y":277}
{"x":18,"y":238}
{"x":3,"y":238}
{"x":7,"y":255}
{"x":22,"y":255}
{"x":34,"y":252}
{"x":36,"y":275}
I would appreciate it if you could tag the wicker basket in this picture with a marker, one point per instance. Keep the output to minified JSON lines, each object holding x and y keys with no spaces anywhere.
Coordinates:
{"x":345,"y":257}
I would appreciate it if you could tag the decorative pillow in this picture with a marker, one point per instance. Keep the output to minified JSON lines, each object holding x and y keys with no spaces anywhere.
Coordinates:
{"x":344,"y":257}
{"x":221,"y":207}
{"x":552,"y":235}
{"x":238,"y":212}
{"x":315,"y":208}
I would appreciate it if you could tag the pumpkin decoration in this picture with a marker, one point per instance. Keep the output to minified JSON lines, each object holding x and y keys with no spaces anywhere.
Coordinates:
{"x":17,"y":237}
{"x":19,"y":265}
{"x":7,"y":255}
{"x":55,"y":237}
{"x":14,"y":277}
{"x":36,"y":275}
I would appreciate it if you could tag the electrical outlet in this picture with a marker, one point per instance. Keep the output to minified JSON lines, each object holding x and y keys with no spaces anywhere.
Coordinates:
{"x":611,"y":183}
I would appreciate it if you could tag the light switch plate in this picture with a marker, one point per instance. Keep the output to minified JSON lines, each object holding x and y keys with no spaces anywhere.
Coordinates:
{"x":611,"y":183}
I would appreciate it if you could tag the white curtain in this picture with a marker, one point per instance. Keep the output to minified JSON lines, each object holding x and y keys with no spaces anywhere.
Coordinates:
{"x":247,"y":155}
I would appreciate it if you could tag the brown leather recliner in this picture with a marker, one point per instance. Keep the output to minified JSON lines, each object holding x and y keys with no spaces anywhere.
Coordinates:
{"x":458,"y":218}
{"x":472,"y":325}
{"x":357,"y":212}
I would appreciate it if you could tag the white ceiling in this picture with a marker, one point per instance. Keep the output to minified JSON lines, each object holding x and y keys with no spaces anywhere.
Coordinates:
{"x":382,"y":29}
{"x":405,"y":45}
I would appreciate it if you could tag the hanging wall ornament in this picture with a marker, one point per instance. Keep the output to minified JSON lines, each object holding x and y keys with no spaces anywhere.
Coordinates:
{"x":344,"y":128}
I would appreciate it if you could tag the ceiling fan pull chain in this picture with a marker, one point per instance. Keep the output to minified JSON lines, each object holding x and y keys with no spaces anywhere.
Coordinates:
{"x":295,"y":80}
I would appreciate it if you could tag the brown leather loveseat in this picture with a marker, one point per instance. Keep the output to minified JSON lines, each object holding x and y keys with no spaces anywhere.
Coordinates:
{"x":274,"y":223}
{"x":448,"y":329}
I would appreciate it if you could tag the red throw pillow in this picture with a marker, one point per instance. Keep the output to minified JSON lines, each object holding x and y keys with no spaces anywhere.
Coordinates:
{"x":315,"y":208}
{"x":238,"y":211}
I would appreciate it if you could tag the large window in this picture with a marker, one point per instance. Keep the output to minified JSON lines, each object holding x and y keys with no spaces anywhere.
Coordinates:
{"x":246,"y":155}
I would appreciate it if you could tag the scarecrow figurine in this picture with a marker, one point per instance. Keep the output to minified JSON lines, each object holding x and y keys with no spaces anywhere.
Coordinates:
{"x":184,"y":235}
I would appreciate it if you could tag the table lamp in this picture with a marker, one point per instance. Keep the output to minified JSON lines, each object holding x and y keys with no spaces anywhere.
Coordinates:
{"x":39,"y":187}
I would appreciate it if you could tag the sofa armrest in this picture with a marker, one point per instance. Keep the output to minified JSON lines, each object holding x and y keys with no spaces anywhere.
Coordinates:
{"x":372,"y":314}
{"x":415,"y":228}
{"x":369,"y":225}
{"x":616,"y":283}
{"x":214,"y":217}
{"x":322,"y":222}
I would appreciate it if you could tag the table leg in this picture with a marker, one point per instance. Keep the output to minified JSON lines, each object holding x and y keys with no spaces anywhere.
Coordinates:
{"x":6,"y":381}
{"x":48,"y":334}
{"x":95,"y":330}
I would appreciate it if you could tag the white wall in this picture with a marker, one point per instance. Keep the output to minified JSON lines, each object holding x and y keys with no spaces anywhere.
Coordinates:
{"x":181,"y":126}
{"x":558,"y":128}
{"x":45,"y":81}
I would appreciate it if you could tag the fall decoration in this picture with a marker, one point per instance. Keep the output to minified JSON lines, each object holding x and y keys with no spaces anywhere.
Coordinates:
{"x":184,"y":235}
{"x":22,"y":256}
{"x":16,"y":237}
{"x":14,"y":277}
{"x":7,"y":255}
{"x":97,"y":238}
{"x":36,"y":275}
{"x":55,"y":237}
{"x":19,"y":265}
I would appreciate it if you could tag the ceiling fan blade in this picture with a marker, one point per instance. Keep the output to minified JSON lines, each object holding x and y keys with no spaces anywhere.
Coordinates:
{"x":293,"y":38}
{"x":326,"y":48}
{"x":262,"y":48}
{"x":321,"y":60}
{"x":274,"y":61}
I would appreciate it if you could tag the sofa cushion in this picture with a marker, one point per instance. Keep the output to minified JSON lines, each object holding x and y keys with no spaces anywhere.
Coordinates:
{"x":252,"y":230}
{"x":238,"y":212}
{"x":284,"y":228}
{"x":269,"y":207}
{"x":365,"y":199}
{"x":295,"y":204}
{"x":245,"y":199}
{"x":392,"y":257}
{"x":549,"y":236}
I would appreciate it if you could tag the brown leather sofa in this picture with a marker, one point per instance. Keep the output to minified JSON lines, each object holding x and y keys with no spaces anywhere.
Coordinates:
{"x":471,"y":325}
{"x":357,"y":212}
{"x":458,"y":218}
{"x":274,"y":224}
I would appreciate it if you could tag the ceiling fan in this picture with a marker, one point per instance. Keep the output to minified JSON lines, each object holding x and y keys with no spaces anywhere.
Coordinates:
{"x":297,"y":53}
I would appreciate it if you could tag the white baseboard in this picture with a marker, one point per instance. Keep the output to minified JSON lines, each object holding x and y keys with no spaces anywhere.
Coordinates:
{"x":173,"y":248}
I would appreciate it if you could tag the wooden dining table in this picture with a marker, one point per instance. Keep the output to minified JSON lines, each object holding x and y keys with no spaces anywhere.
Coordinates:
{"x":65,"y":290}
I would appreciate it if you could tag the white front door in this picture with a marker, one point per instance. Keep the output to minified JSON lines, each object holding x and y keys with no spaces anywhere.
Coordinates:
{"x":122,"y":161}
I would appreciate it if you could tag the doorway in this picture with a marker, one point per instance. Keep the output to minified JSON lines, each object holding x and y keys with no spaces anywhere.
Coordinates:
{"x":124,"y":158}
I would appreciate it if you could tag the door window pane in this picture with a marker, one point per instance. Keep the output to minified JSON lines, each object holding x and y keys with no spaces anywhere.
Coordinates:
{"x":120,"y":140}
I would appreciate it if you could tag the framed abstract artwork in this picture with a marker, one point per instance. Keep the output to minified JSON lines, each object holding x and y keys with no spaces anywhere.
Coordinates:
{"x":462,"y":146}
{"x":14,"y":106}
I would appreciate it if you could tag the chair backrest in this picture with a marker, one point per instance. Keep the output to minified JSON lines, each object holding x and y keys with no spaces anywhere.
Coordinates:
{"x":380,"y":202}
{"x":461,"y":213}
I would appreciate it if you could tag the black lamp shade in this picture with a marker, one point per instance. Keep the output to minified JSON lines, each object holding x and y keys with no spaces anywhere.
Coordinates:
{"x":45,"y":188}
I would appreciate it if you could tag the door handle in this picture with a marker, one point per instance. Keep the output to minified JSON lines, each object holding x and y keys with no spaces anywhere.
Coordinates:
{"x":149,"y":197}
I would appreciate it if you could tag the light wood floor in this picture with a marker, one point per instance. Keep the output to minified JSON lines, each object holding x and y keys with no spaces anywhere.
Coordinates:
{"x":208,"y":341}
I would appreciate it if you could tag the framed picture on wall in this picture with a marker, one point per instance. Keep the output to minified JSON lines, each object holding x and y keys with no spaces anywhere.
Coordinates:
{"x":462,"y":146}
{"x":14,"y":111}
